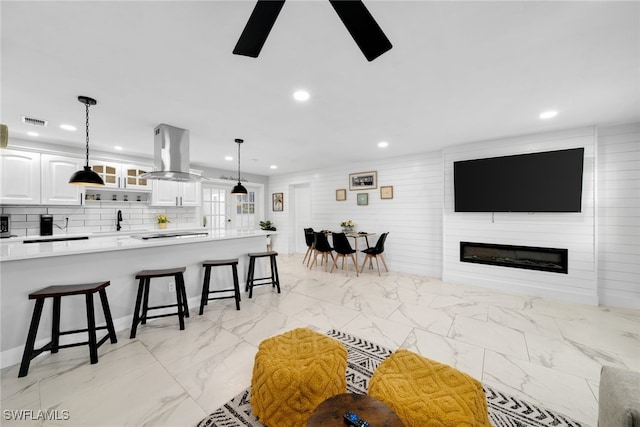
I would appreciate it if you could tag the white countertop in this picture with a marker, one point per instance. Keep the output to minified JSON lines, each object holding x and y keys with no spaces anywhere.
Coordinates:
{"x":14,"y":249}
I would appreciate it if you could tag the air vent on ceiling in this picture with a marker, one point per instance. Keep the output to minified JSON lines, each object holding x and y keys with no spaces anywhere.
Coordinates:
{"x":34,"y":121}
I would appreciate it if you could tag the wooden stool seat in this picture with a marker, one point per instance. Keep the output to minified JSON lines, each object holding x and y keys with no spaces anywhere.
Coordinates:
{"x":142,"y":298}
{"x":57,"y":292}
{"x":161,"y":273}
{"x":207,"y":278}
{"x":272,"y":280}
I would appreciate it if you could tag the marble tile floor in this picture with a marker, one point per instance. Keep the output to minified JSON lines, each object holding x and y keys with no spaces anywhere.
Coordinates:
{"x":545,"y":351}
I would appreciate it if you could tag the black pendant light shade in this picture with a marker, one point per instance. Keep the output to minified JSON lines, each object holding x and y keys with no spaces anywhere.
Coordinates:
{"x":86,"y":177}
{"x":239,"y":189}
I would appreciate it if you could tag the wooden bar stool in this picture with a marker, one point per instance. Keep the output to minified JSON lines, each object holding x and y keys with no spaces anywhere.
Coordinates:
{"x":57,"y":292}
{"x":145,"y":277}
{"x":273,"y":280}
{"x":207,"y":277}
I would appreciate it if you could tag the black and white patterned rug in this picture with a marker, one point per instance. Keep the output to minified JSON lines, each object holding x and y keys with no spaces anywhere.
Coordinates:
{"x":362,"y":360}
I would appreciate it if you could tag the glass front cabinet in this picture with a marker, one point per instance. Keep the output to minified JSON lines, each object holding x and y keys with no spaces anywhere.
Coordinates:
{"x":122,"y":175}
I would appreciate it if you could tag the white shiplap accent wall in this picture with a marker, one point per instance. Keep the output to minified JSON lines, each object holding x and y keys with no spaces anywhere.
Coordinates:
{"x":619,"y":215}
{"x":573,"y":231}
{"x":413,"y":217}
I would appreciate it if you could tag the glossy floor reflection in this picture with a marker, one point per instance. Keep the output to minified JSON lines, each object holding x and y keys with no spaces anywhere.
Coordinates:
{"x":547,"y":352}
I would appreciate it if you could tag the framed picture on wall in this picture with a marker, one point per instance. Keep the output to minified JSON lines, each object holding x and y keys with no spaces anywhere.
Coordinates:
{"x":363,"y":199}
{"x":277,"y":202}
{"x":363,"y":181}
{"x":386,"y":192}
{"x":341,"y":195}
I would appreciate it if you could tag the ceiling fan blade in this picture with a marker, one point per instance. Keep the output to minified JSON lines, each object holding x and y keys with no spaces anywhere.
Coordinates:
{"x":363,"y":28}
{"x":258,"y":26}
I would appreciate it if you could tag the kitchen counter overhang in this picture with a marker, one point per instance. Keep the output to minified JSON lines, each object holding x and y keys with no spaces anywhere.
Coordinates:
{"x":26,"y":268}
{"x":60,"y":246}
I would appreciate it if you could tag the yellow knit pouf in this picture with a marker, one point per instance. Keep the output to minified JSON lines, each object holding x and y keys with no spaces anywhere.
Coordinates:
{"x":293,"y":373}
{"x":425,"y":393}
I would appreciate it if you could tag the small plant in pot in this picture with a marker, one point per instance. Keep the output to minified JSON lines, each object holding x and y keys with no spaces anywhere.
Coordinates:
{"x":267,"y":226}
{"x":162,"y":221}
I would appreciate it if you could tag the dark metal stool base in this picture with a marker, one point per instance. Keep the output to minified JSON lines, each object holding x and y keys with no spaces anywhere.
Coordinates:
{"x":273,"y":280}
{"x":57,"y":292}
{"x":142,"y":298}
{"x":205,"y":298}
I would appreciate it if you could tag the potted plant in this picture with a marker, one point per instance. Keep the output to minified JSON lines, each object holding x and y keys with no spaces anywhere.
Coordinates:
{"x":347,"y":226}
{"x":162,"y":221}
{"x":267,"y":225}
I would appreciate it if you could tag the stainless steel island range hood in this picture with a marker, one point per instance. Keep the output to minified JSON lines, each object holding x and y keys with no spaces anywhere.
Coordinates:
{"x":171,"y":155}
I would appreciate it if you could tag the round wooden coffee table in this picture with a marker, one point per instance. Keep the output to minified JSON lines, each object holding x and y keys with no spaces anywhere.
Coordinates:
{"x":330,"y":412}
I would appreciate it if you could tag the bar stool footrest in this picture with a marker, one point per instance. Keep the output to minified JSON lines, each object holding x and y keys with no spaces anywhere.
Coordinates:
{"x":161,"y":306}
{"x":222,"y":290}
{"x":268,"y":281}
{"x":78,"y":331}
{"x":157,"y":316}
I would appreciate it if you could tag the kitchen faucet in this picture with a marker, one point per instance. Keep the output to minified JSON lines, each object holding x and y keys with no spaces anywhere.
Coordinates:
{"x":118,"y":220}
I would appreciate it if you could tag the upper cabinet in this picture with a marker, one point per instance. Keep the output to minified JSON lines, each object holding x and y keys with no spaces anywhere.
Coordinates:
{"x":122,"y":175}
{"x":30,"y":178}
{"x":20,"y":177}
{"x":172,"y":193}
{"x":55,"y":188}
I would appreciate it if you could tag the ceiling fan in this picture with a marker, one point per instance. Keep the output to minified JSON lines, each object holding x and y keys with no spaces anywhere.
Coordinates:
{"x":354,"y":15}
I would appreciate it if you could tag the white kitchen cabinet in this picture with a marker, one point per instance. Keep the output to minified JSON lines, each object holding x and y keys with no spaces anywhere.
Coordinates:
{"x":173,"y":193}
{"x":164,"y":193}
{"x":55,"y":188}
{"x":20,"y":177}
{"x":191,"y":193}
{"x":122,"y":175}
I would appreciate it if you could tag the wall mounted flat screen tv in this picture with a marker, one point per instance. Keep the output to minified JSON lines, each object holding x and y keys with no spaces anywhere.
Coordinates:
{"x":550,"y":181}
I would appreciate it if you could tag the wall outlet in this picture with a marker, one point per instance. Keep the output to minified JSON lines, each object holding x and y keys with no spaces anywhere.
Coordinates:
{"x":172,"y":286}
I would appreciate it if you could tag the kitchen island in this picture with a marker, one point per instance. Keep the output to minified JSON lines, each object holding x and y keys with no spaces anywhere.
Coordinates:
{"x":27,"y":267}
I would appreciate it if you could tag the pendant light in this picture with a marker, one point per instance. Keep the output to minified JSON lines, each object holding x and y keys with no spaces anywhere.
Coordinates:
{"x":87,"y":177}
{"x":239,"y":189}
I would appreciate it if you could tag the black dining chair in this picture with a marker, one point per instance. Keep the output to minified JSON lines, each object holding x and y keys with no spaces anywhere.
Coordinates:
{"x":376,"y":252}
{"x":308,"y":238}
{"x":321,"y":246}
{"x":343,"y":249}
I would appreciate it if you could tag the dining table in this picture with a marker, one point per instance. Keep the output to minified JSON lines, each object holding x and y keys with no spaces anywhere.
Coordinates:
{"x":357,"y":235}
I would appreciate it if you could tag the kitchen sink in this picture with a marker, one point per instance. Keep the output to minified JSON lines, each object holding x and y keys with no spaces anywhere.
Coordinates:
{"x":55,"y":239}
{"x":177,"y":235}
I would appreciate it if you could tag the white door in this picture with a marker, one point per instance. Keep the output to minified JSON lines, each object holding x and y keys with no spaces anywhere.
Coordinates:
{"x":214,"y":207}
{"x":244,"y":211}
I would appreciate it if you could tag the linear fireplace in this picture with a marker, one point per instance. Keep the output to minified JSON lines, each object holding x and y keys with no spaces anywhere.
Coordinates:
{"x":529,"y":257}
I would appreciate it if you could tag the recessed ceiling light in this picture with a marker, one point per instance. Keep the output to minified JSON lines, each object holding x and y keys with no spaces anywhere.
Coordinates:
{"x":118,"y":147}
{"x":228,"y":158}
{"x":274,"y":166}
{"x":548,"y":114}
{"x":32,"y":133}
{"x":68,"y":127}
{"x":301,"y":95}
{"x":383,"y":144}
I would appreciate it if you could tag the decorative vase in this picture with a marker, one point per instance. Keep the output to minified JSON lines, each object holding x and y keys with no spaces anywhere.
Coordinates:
{"x":162,"y":225}
{"x":347,"y":229}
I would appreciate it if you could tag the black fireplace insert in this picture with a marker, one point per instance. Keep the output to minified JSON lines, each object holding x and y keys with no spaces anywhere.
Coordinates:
{"x":528,"y":257}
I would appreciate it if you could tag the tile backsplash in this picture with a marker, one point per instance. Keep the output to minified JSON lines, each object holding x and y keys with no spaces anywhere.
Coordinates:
{"x":97,"y":217}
